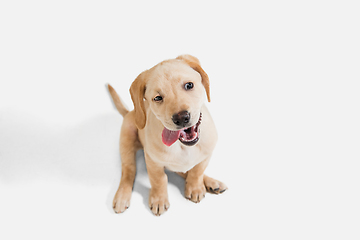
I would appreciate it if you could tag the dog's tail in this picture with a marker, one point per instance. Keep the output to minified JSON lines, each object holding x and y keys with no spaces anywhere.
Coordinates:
{"x":117,"y":101}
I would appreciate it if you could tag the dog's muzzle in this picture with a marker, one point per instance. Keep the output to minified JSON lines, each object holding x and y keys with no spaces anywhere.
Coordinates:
{"x":187,"y":136}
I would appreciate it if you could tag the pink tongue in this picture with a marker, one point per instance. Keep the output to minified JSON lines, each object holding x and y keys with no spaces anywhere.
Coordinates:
{"x":169,"y":137}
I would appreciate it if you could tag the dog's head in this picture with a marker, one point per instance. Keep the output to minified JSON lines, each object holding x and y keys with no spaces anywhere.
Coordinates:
{"x":174,"y":90}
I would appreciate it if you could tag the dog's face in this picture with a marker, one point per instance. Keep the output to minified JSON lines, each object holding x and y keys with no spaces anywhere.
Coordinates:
{"x":174,"y":90}
{"x":175,"y":94}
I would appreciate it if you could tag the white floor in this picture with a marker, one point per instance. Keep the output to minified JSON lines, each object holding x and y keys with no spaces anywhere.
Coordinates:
{"x":285,"y":99}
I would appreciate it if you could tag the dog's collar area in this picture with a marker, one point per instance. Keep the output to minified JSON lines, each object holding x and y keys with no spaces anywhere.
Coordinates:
{"x":187,"y":136}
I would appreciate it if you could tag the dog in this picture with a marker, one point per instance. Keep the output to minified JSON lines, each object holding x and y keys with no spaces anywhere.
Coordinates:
{"x":172,"y":124}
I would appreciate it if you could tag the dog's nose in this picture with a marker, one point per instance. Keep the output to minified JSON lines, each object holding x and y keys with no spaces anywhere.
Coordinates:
{"x":181,"y":118}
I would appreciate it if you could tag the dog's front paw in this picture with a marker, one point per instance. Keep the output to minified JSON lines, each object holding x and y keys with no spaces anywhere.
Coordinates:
{"x":195,"y":191}
{"x":121,"y":200}
{"x":158,"y":202}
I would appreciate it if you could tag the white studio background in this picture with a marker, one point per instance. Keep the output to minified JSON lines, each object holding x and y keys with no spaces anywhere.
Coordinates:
{"x":285,"y":98}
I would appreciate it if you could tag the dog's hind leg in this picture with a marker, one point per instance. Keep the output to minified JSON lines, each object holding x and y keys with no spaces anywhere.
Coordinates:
{"x":196,"y":192}
{"x":214,"y":186}
{"x":129,"y":144}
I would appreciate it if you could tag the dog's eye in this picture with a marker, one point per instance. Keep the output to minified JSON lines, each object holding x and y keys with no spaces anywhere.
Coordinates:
{"x":158,"y":99}
{"x":189,"y":85}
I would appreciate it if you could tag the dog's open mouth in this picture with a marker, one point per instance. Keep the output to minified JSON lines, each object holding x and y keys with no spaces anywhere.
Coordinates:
{"x":188,"y":136}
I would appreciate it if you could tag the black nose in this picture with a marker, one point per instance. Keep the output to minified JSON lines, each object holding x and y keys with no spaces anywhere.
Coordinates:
{"x":181,"y":118}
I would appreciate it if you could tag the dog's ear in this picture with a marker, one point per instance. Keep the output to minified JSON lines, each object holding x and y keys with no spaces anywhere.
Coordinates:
{"x":137,"y":91}
{"x":194,"y":63}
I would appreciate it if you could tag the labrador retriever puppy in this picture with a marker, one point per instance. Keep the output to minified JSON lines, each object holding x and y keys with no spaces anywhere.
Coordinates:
{"x":172,"y":124}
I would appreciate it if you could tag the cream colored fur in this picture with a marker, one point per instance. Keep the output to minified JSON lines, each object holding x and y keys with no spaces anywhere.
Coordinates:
{"x":142,"y":128}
